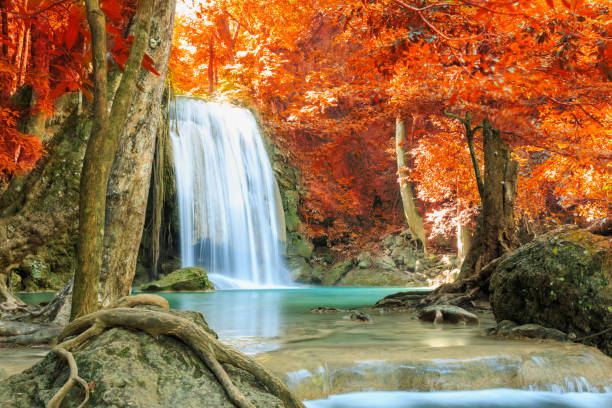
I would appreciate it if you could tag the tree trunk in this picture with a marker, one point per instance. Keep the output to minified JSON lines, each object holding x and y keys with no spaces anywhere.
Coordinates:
{"x":101,"y":149}
{"x":130,"y":178}
{"x":495,"y":233}
{"x":411,"y":212}
{"x":464,"y":240}
{"x":211,"y":65}
{"x":5,"y":31}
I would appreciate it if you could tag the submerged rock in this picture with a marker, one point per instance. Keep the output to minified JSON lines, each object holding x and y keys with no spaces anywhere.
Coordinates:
{"x":187,"y":279}
{"x":507,"y":328}
{"x":447,"y":314}
{"x":129,"y":368}
{"x":325,"y":309}
{"x":360,"y":316}
{"x":561,"y":280}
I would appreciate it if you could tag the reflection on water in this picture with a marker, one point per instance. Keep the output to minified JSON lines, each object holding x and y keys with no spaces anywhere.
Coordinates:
{"x":259,"y":320}
{"x":319,"y":355}
{"x":494,"y":398}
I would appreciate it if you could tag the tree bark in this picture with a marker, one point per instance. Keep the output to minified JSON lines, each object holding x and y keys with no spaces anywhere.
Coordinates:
{"x":211,"y":65}
{"x":128,"y":187}
{"x":464,"y":240}
{"x":495,"y":233}
{"x":5,"y":32}
{"x":101,"y":149}
{"x":411,"y":212}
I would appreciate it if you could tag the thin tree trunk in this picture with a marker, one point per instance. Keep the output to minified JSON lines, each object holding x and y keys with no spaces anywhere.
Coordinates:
{"x":157,"y":207}
{"x":495,"y":233}
{"x":5,"y":32}
{"x":411,"y":212}
{"x":128,"y":187}
{"x":464,"y":240}
{"x":211,"y":66}
{"x":101,"y":149}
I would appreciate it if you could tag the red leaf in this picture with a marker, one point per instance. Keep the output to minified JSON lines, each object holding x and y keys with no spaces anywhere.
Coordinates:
{"x":550,"y":3}
{"x":59,"y":89}
{"x":148,"y":64}
{"x":72,"y":30}
{"x":112,"y":9}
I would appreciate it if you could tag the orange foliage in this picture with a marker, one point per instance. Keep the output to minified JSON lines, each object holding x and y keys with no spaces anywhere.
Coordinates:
{"x":45,"y":45}
{"x":330,"y":76}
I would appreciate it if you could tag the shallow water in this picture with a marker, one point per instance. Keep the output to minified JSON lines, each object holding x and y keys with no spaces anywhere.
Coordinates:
{"x":321,"y":355}
{"x":493,"y":398}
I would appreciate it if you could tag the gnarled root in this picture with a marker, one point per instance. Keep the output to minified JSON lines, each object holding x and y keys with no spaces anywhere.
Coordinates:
{"x":73,"y":378}
{"x":212,"y":353}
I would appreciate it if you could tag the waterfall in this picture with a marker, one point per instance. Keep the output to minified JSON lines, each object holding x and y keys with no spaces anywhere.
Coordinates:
{"x":225,"y":185}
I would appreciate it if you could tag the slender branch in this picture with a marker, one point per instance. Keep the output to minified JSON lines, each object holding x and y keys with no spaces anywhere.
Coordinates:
{"x":469,"y":134}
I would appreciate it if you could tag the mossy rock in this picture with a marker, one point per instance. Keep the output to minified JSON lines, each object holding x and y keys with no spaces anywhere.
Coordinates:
{"x":129,"y":368}
{"x":186,"y":279}
{"x":562,"y":280}
{"x":336,"y":272}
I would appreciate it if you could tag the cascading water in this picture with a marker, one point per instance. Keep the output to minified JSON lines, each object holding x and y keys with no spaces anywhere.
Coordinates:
{"x":227,"y":208}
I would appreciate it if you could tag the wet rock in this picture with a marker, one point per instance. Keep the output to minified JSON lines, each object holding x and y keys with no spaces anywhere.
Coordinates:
{"x":133,"y":369}
{"x":360,"y":316}
{"x":561,"y":280}
{"x":402,"y":299}
{"x":447,"y":314}
{"x":464,"y":302}
{"x":507,"y":328}
{"x":539,"y":332}
{"x":186,"y":279}
{"x":325,"y":309}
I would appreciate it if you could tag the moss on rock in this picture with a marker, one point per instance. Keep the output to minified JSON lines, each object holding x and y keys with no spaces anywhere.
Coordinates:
{"x":186,"y":279}
{"x":562,"y":280}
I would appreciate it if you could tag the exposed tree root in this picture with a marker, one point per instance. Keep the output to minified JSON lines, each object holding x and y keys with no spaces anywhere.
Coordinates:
{"x":26,"y":324}
{"x":464,"y":291}
{"x":156,"y":323}
{"x":57,"y":399}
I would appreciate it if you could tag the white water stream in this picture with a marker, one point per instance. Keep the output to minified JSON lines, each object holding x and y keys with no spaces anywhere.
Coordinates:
{"x":225,"y":184}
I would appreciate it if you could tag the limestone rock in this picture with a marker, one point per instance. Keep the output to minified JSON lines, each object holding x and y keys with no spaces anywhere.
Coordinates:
{"x":299,"y":269}
{"x":300,"y":247}
{"x":447,"y":314}
{"x":186,"y":279}
{"x":133,"y":369}
{"x":364,"y":260}
{"x":337,"y":272}
{"x":561,"y":280}
{"x":386,"y":262}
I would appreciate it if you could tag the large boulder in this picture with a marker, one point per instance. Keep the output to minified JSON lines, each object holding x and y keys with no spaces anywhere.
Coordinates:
{"x":186,"y":279}
{"x":562,"y":280}
{"x":128,"y":368}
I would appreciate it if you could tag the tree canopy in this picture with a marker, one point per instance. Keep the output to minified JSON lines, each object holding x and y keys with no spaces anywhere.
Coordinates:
{"x":329,"y":77}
